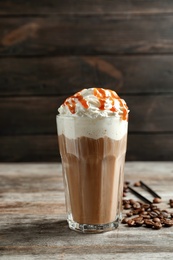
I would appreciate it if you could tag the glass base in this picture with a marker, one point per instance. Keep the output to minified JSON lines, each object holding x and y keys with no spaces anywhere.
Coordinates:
{"x":89,"y":228}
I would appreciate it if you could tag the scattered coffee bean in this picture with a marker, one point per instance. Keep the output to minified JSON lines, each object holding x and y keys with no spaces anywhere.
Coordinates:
{"x":146,"y":206}
{"x":161,"y":220}
{"x":131,"y":223}
{"x":137,"y":184}
{"x":125,"y":188}
{"x":145,"y":212}
{"x":132,"y":201}
{"x":139,"y":222}
{"x":136,"y":211}
{"x":157,"y":200}
{"x":145,"y":216}
{"x":157,"y":211}
{"x":171,"y":203}
{"x":164,"y":214}
{"x":141,"y":214}
{"x":153,"y":207}
{"x":168,"y":222}
{"x":148,"y":215}
{"x":164,"y":210}
{"x":157,"y":225}
{"x":136,"y":205}
{"x":153,"y":214}
{"x":129,"y":214}
{"x":142,"y":210}
{"x":124,"y":220}
{"x":126,"y":201}
{"x":127,"y":206}
{"x":148,"y":222}
{"x":156,"y":220}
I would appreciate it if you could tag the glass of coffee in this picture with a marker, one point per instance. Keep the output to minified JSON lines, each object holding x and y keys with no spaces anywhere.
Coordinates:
{"x":92,"y":134}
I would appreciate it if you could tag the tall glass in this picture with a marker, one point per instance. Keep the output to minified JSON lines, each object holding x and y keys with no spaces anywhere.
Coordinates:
{"x":93,"y":155}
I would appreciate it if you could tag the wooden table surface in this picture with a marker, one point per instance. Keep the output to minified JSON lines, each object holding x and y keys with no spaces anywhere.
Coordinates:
{"x":33,"y":220}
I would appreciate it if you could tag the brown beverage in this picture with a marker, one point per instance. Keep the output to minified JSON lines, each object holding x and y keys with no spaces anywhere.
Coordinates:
{"x":94,"y":178}
{"x":92,"y":145}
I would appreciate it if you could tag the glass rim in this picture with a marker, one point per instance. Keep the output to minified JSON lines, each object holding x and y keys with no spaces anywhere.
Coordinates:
{"x":90,"y":118}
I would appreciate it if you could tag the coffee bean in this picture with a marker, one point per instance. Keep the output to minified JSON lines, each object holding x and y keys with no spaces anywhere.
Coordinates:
{"x":139,"y":222}
{"x":153,"y":207}
{"x":136,"y":205}
{"x":145,"y":216}
{"x":125,"y":186}
{"x":138,"y":218}
{"x":157,"y":211}
{"x":153,"y":214}
{"x":168,"y":222}
{"x":129,"y":214}
{"x":156,"y":220}
{"x":162,"y":221}
{"x":124,"y":220}
{"x":124,"y":194}
{"x":146,"y":206}
{"x":164,"y":214}
{"x":157,"y":200}
{"x":164,"y":210}
{"x":144,"y":213}
{"x":171,"y":203}
{"x":127,"y":206}
{"x":142,"y":210}
{"x":136,"y":211}
{"x":157,"y":225}
{"x":160,"y":216}
{"x":132,"y":202}
{"x":171,"y":215}
{"x":126,"y":201}
{"x":131,"y":223}
{"x":148,"y":222}
{"x":137,"y":184}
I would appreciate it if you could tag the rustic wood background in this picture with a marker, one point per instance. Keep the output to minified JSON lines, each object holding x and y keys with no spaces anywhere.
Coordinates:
{"x":51,"y":49}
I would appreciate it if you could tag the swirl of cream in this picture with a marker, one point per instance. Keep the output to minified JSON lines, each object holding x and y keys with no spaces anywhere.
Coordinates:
{"x":95,"y":103}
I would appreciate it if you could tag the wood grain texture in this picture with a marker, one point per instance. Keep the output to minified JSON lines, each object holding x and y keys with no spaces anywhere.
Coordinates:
{"x":46,"y":7}
{"x":67,"y":75}
{"x":91,"y":34}
{"x":29,"y":148}
{"x":36,"y":115}
{"x":51,"y":49}
{"x":29,"y":231}
{"x":44,"y":148}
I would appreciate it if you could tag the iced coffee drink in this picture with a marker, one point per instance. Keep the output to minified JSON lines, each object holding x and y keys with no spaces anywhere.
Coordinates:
{"x":92,"y":134}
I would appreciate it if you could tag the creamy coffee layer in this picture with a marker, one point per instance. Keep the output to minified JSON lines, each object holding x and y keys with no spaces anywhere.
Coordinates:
{"x":93,"y":170}
{"x":75,"y":127}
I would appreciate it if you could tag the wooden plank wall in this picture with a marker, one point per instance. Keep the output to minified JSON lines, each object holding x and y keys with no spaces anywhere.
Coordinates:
{"x":51,"y":49}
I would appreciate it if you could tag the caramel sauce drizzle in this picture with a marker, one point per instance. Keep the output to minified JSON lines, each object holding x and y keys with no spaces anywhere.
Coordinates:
{"x":102,"y":95}
{"x":72,"y":105}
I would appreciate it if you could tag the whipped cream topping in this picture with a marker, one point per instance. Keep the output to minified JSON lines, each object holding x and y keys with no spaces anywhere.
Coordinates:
{"x":95,"y":103}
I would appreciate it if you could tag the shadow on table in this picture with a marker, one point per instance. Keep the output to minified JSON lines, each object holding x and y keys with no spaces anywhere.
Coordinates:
{"x":40,"y":231}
